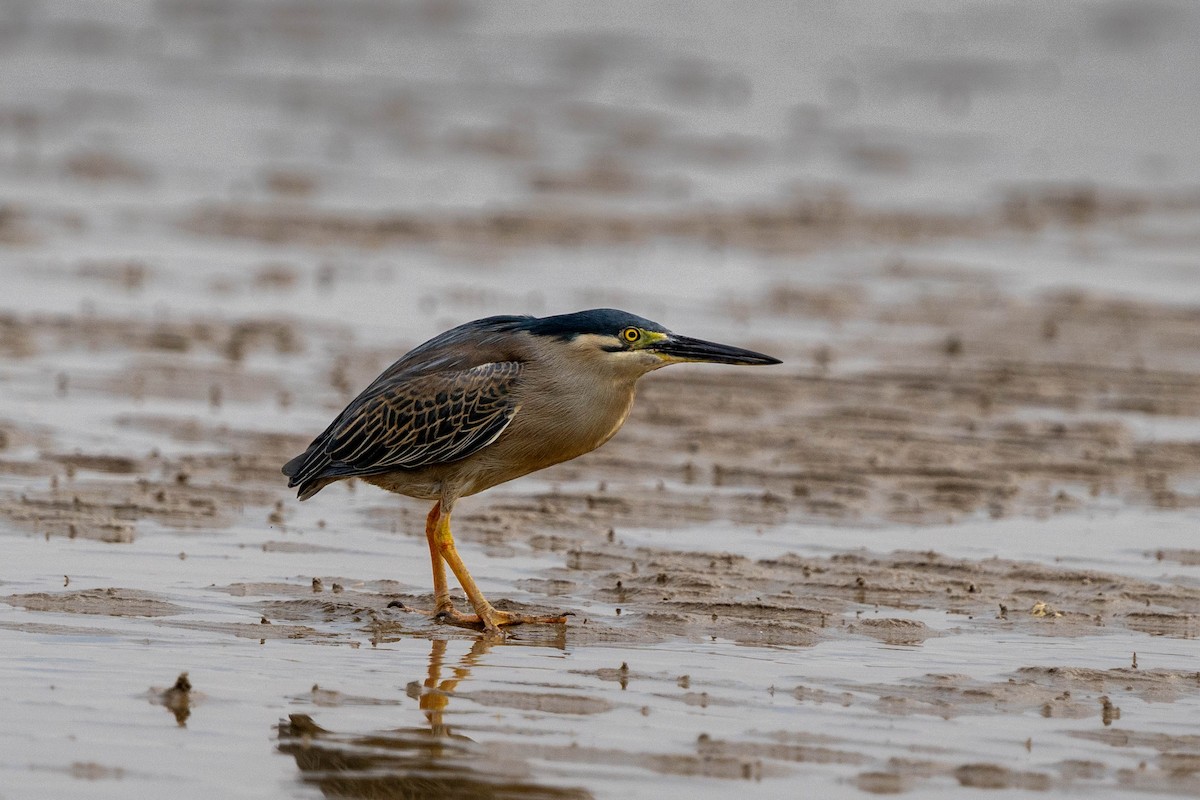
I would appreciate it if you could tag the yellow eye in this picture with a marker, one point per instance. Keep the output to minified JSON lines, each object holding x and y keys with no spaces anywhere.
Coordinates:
{"x":631,"y":335}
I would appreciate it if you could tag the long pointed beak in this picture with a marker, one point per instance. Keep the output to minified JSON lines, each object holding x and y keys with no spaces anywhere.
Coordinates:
{"x":685,"y":348}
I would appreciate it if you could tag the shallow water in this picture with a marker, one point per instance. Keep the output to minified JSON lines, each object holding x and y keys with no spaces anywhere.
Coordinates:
{"x":950,"y":543}
{"x":542,"y":712}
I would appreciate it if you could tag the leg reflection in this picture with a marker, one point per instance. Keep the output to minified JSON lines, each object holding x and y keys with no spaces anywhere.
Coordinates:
{"x":437,"y":692}
{"x":420,"y":761}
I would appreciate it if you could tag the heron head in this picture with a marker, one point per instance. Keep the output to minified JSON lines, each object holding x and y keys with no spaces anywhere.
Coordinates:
{"x":631,"y":344}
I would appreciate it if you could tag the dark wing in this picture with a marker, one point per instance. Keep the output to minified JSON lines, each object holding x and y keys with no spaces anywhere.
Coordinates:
{"x":410,"y":422}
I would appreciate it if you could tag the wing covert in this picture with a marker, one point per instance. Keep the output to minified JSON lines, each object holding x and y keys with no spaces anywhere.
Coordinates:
{"x":416,"y":422}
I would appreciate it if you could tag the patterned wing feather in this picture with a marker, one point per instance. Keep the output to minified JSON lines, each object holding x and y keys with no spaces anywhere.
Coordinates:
{"x":413,"y":422}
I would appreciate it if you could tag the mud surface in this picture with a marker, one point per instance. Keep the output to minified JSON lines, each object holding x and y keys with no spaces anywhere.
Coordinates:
{"x":950,"y":543}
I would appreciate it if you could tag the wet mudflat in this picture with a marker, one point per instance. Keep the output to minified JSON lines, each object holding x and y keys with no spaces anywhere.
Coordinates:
{"x":951,"y":543}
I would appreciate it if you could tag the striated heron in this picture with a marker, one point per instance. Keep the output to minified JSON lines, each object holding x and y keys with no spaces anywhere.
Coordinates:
{"x":489,"y":401}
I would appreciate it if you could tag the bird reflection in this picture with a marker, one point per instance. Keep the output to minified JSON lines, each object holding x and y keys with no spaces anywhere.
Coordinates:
{"x":425,"y":761}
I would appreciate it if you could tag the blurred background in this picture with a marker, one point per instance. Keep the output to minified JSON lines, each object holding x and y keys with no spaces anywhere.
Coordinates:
{"x":406,"y":165}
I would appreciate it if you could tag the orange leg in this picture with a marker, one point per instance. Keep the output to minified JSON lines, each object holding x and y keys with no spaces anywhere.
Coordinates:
{"x":441,"y":591}
{"x":486,"y":616}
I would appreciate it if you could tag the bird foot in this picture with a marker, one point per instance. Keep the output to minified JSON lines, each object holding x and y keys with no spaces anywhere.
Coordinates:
{"x":493,"y":620}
